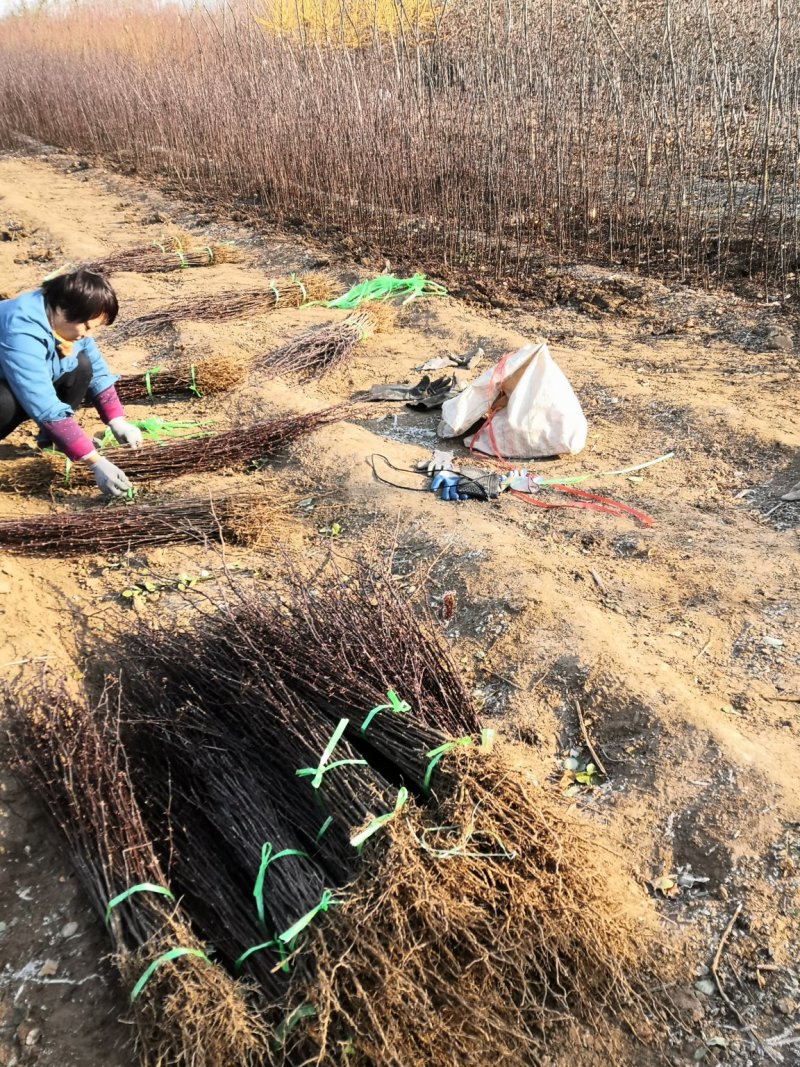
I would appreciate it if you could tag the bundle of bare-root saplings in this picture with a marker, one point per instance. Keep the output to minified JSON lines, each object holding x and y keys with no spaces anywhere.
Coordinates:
{"x":174,"y":252}
{"x":157,"y":462}
{"x":248,"y":518}
{"x":288,"y":292}
{"x":336,"y":822}
{"x":188,"y":1010}
{"x":216,"y":374}
{"x":321,"y":349}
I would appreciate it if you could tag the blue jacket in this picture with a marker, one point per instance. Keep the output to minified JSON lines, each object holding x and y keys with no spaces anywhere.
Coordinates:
{"x":30,"y":362}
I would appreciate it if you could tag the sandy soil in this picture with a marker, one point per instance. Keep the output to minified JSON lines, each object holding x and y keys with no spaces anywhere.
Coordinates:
{"x":679,"y":642}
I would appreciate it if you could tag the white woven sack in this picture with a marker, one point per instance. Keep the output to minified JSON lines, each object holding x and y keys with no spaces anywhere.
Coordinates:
{"x":533,"y":410}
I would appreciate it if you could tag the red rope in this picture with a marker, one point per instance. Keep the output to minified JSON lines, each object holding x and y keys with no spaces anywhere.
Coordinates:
{"x":644,"y":519}
{"x":587,"y":501}
{"x":591,"y":502}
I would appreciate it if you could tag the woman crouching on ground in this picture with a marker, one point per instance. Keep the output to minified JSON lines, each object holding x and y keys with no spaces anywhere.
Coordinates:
{"x":49,"y":365}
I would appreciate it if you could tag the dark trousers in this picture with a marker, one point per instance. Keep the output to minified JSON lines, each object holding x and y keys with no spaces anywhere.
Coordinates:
{"x":70,"y":387}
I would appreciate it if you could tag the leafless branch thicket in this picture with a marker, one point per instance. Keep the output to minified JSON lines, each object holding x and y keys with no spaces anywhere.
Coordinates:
{"x":503,"y":134}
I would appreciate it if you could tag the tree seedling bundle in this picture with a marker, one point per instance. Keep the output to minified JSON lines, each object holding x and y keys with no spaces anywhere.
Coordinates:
{"x":175,"y":252}
{"x":111,"y":529}
{"x":156,"y":462}
{"x":287,"y":292}
{"x":188,"y":1011}
{"x":341,"y":828}
{"x":320,"y":349}
{"x":217,"y":374}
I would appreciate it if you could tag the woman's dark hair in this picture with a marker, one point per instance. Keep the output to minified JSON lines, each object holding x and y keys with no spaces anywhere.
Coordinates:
{"x":82,"y":296}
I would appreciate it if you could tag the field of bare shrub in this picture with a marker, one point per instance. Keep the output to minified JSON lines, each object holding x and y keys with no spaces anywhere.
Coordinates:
{"x":480,"y":135}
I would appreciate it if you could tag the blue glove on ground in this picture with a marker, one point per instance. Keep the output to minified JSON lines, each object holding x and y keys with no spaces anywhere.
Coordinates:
{"x":447,"y":481}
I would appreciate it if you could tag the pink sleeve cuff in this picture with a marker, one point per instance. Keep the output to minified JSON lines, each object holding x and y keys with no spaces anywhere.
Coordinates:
{"x":69,"y":438}
{"x":108,"y":405}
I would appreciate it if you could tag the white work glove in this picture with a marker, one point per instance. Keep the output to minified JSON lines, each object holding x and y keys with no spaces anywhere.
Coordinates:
{"x":111,"y":481}
{"x":125,"y":432}
{"x":442,"y":461}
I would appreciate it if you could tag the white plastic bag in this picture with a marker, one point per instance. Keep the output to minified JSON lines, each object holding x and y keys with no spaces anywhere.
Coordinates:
{"x":530,"y":408}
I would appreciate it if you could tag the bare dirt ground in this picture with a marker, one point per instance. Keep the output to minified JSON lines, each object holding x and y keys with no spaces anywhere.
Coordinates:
{"x":680,"y":643}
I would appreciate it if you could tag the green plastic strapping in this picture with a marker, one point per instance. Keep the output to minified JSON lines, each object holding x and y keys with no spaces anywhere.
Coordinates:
{"x":326,"y":902}
{"x":275,"y":944}
{"x":158,"y":245}
{"x":266,"y":859}
{"x":173,"y":954}
{"x":301,"y":287}
{"x":436,"y":754}
{"x":277,"y":293}
{"x":142,"y":887}
{"x":147,"y":383}
{"x":324,"y":766}
{"x":387,"y":287}
{"x":193,"y":384}
{"x":209,"y":252}
{"x":604,"y":474}
{"x":402,"y":797}
{"x":65,"y":268}
{"x":395,"y":705}
{"x":323,"y":830}
{"x":181,"y":257}
{"x":156,"y":429}
{"x":67,"y":469}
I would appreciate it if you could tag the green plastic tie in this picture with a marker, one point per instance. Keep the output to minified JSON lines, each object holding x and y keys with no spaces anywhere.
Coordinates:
{"x":603,"y":474}
{"x":436,"y":754}
{"x":266,"y":859}
{"x":157,"y":430}
{"x":209,"y":252}
{"x":326,"y":902}
{"x":193,"y":384}
{"x":181,"y":257}
{"x":323,"y":830}
{"x":277,"y":293}
{"x":282,"y":1031}
{"x":173,"y":954}
{"x":376,"y":824}
{"x":142,"y":887}
{"x":303,"y":291}
{"x":488,"y":738}
{"x":395,"y":705}
{"x":65,"y":268}
{"x":147,"y":383}
{"x":278,"y":945}
{"x":387,"y":287}
{"x":67,"y":469}
{"x":157,"y":244}
{"x":324,"y":766}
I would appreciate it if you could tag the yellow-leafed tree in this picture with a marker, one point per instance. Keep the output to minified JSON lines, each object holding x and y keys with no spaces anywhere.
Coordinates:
{"x":347,"y":22}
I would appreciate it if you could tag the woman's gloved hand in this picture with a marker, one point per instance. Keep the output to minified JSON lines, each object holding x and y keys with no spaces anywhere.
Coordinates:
{"x":125,"y":432}
{"x":111,"y":481}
